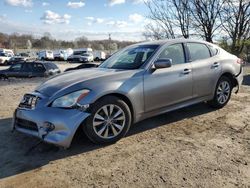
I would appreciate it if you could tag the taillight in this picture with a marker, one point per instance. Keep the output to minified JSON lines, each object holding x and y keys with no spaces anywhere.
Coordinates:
{"x":240,"y":61}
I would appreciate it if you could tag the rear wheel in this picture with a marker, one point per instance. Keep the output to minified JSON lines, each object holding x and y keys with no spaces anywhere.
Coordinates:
{"x":222,"y":93}
{"x":109,"y":121}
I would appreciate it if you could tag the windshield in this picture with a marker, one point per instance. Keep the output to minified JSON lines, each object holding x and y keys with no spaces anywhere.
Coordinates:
{"x":79,"y":52}
{"x":130,"y":58}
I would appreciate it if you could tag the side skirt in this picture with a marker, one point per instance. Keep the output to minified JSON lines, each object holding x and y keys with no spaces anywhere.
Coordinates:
{"x":172,"y":108}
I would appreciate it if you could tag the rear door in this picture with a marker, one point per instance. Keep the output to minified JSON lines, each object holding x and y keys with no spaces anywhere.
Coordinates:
{"x":38,"y":69}
{"x":206,"y":69}
{"x":168,"y":86}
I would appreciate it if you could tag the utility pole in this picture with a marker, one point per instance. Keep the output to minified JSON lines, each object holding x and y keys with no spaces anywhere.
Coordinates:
{"x":110,"y":43}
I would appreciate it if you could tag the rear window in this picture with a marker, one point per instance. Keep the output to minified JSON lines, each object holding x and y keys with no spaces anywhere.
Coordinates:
{"x":50,"y":66}
{"x":37,"y":67}
{"x":198,"y":51}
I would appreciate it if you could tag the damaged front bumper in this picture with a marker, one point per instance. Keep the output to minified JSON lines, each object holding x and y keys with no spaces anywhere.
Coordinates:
{"x":52,"y":125}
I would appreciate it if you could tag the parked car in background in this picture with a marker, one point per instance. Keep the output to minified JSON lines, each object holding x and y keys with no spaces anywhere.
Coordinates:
{"x":81,"y":57}
{"x":83,"y":66}
{"x":16,"y":59}
{"x":59,"y":55}
{"x":62,"y":55}
{"x":99,"y":55}
{"x":30,"y":69}
{"x":45,"y":55}
{"x":83,"y":50}
{"x":7,"y":51}
{"x":78,"y":54}
{"x":22,"y":54}
{"x":138,"y":82}
{"x":4,"y":58}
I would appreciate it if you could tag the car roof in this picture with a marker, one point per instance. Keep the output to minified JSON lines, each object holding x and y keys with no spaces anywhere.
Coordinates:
{"x":165,"y":41}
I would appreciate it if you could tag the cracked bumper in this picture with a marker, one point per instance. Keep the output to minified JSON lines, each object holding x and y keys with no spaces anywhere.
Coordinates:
{"x":239,"y":78}
{"x":65,"y":121}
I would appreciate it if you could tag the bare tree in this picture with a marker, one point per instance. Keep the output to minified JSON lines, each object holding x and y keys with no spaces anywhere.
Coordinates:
{"x":181,"y":13}
{"x":169,"y":17}
{"x":154,"y":32}
{"x":113,"y":47}
{"x":236,"y":23}
{"x":206,"y":17}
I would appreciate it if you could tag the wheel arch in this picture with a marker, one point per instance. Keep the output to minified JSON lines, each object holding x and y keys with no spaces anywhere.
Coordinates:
{"x":231,"y":77}
{"x":124,"y":98}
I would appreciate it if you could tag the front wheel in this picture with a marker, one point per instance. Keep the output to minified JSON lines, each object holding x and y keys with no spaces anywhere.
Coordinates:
{"x":222,"y":93}
{"x":3,"y":77}
{"x":109,"y":121}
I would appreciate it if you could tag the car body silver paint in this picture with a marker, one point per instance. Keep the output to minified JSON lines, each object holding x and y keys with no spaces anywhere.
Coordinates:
{"x":150,"y":92}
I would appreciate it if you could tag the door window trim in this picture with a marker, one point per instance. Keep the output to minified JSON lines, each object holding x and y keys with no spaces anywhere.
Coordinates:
{"x":160,"y":50}
{"x":188,"y":52}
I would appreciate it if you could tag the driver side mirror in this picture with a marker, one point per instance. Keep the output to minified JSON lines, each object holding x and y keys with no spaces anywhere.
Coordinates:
{"x":162,"y":63}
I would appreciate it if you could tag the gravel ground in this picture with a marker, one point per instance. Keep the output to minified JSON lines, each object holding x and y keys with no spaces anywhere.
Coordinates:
{"x":192,"y":147}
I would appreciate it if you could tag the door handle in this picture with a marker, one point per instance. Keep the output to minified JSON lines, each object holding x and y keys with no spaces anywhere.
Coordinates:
{"x":186,"y":71}
{"x":215,"y":65}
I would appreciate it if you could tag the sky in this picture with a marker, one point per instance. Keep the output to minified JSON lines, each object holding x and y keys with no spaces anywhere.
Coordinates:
{"x":69,"y":19}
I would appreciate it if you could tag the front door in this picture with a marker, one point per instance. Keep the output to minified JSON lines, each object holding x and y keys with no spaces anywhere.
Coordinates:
{"x":15,"y":70}
{"x":168,"y":86}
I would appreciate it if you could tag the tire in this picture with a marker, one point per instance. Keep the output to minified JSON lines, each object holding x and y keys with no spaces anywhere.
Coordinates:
{"x":222,"y":93}
{"x":109,"y":129}
{"x":3,"y":77}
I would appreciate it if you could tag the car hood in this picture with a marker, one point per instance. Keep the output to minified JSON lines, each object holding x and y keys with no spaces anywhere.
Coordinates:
{"x":70,"y":79}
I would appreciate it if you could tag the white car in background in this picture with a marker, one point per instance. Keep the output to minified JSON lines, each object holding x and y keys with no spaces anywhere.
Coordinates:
{"x":4,"y":58}
{"x":62,"y":55}
{"x":89,"y":57}
{"x":45,"y":55}
{"x":99,"y":55}
{"x":81,"y":57}
{"x":7,"y":51}
{"x":59,"y":55}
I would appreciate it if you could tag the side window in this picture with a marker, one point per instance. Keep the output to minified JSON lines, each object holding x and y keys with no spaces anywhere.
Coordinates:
{"x":214,"y":50}
{"x":16,"y":67}
{"x":38,"y":68}
{"x":27,"y":67}
{"x":198,"y":51}
{"x":174,"y":52}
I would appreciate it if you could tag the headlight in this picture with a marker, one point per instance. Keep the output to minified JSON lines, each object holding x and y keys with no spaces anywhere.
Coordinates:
{"x":70,"y":100}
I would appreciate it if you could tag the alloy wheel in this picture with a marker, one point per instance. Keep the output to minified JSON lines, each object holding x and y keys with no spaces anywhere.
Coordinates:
{"x":223,"y":92}
{"x":109,"y":121}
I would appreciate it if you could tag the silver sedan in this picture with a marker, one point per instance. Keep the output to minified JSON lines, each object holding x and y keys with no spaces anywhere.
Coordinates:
{"x":138,"y":82}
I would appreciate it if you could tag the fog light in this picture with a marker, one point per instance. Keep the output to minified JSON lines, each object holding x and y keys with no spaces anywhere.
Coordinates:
{"x":48,"y":126}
